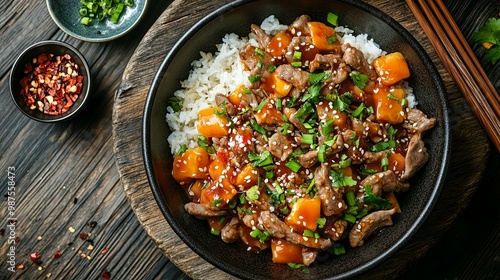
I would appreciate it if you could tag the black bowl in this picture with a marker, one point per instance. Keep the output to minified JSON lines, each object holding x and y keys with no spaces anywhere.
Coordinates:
{"x":236,"y":17}
{"x":56,"y":48}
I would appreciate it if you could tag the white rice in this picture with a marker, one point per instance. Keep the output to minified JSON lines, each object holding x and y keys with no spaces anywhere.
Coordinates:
{"x":222,"y":72}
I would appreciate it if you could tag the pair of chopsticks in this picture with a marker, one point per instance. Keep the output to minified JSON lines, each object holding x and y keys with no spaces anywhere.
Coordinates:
{"x":461,"y":63}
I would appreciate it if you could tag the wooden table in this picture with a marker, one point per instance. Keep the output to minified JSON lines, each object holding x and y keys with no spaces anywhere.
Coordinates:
{"x":66,"y":175}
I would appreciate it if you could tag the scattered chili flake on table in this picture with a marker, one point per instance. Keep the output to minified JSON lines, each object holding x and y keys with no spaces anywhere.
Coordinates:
{"x":106,"y":275}
{"x":51,"y":84}
{"x":35,"y":257}
{"x":57,"y":254}
{"x":83,"y":236}
{"x":104,"y":251}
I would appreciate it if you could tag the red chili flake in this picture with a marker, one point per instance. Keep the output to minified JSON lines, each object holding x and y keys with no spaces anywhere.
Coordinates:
{"x":17,"y":239}
{"x":19,"y":266}
{"x":52,"y":83}
{"x":104,"y":251}
{"x":106,"y":275}
{"x":83,"y":236}
{"x":35,"y":257}
{"x":57,"y":254}
{"x":92,"y":224}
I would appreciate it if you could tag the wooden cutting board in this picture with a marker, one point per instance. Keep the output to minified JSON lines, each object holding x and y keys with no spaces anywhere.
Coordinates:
{"x":469,"y":148}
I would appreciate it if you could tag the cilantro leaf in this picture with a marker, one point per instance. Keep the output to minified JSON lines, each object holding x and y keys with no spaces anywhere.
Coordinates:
{"x":493,"y":54}
{"x":340,"y":180}
{"x":490,"y":33}
{"x":359,"y":79}
{"x":175,"y":103}
{"x":375,"y":201}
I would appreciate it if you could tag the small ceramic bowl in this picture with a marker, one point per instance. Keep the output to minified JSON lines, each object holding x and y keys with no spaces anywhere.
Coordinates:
{"x":57,"y":49}
{"x":66,"y":15}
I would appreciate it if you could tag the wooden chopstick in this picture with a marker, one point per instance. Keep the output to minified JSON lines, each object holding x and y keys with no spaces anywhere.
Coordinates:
{"x":464,"y":49}
{"x":474,"y":86}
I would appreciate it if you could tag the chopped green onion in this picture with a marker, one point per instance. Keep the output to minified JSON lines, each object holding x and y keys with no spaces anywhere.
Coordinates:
{"x":83,"y":12}
{"x":332,"y":19}
{"x":338,"y":249}
{"x":216,"y":202}
{"x":271,"y":68}
{"x":259,"y":51}
{"x":86,"y":20}
{"x":214,"y":231}
{"x":254,"y":78}
{"x":278,"y":103}
{"x":350,"y":218}
{"x":311,"y":234}
{"x":382,"y":146}
{"x":350,"y":199}
{"x":332,"y":39}
{"x":322,"y":153}
{"x":308,"y":139}
{"x":129,"y":3}
{"x":293,"y":165}
{"x":296,"y":64}
{"x":284,"y":129}
{"x":297,"y":55}
{"x":391,"y":96}
{"x":384,"y":163}
{"x":182,"y":149}
{"x":404,"y":102}
{"x":321,"y":222}
{"x":253,"y":193}
{"x":260,"y":106}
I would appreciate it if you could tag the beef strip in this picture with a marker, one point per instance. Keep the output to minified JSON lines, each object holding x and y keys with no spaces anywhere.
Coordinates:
{"x":384,"y":181}
{"x":248,"y":57}
{"x":416,"y":156}
{"x":280,"y":229}
{"x":280,"y":146}
{"x":295,"y":76}
{"x":230,"y":232}
{"x":308,"y":159}
{"x":340,"y":74}
{"x":221,"y":100}
{"x":202,"y":211}
{"x":373,"y":157}
{"x":251,"y":99}
{"x":309,"y":256}
{"x":335,"y":228}
{"x":355,"y":58}
{"x":325,"y":62}
{"x":290,"y":114}
{"x":299,"y":26}
{"x":262,"y":38}
{"x":417,"y":122}
{"x":331,"y":198}
{"x":369,"y":224}
{"x":295,"y":45}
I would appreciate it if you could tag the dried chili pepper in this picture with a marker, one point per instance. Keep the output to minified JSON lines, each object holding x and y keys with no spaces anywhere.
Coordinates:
{"x":51,"y":84}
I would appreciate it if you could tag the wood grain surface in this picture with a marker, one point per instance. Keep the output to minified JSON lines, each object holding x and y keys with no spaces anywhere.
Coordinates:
{"x":470,"y":146}
{"x":65,"y":173}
